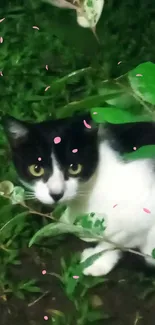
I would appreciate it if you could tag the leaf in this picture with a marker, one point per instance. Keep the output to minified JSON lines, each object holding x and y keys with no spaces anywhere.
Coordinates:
{"x":55,"y":229}
{"x":32,"y":289}
{"x":37,"y":98}
{"x":84,"y":104}
{"x":61,"y":4}
{"x":90,"y":260}
{"x":17,"y":195}
{"x":145,"y":152}
{"x":78,"y":271}
{"x":91,"y":13}
{"x":153,"y":253}
{"x":12,"y":222}
{"x":70,"y":77}
{"x":142,"y":81}
{"x":6,"y":187}
{"x":116,"y":115}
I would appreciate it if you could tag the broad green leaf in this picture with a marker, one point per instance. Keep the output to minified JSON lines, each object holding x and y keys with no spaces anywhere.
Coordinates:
{"x":142,"y":81}
{"x":108,"y":87}
{"x":56,"y":229}
{"x":83,"y":105}
{"x":116,"y":115}
{"x":142,"y":153}
{"x":123,"y":99}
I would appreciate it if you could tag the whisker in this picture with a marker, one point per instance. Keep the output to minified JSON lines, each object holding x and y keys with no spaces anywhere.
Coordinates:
{"x":29,"y":195}
{"x":29,"y":198}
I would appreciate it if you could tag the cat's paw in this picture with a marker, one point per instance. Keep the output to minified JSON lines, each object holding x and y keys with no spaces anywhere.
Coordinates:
{"x":87,"y":253}
{"x":103,"y":265}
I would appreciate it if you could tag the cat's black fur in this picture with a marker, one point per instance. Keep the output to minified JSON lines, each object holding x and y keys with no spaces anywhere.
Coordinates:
{"x":38,"y":142}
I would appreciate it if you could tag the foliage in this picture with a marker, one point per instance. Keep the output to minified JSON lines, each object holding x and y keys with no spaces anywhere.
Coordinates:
{"x":82,"y":75}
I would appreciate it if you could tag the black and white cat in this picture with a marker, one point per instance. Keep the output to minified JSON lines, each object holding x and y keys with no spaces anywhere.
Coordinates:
{"x":92,"y":178}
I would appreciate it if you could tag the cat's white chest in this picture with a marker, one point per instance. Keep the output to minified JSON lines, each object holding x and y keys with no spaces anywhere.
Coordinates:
{"x":124,"y":195}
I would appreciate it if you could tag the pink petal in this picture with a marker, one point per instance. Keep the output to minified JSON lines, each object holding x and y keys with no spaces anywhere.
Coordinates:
{"x":119,"y":62}
{"x":45,"y":317}
{"x":46,"y":67}
{"x":75,"y":277}
{"x":86,"y":124}
{"x":1,"y":39}
{"x":57,"y":140}
{"x":146,"y":210}
{"x":75,"y":150}
{"x":1,"y":73}
{"x":2,"y":20}
{"x":115,"y":205}
{"x":47,"y":88}
{"x":35,"y":27}
{"x":43,"y":272}
{"x":134,"y":148}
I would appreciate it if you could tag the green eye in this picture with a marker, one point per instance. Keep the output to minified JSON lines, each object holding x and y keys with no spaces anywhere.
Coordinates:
{"x":74,"y":169}
{"x":36,"y":170}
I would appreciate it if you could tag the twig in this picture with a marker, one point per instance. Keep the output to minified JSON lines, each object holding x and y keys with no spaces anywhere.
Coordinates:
{"x":38,"y":299}
{"x":97,"y":237}
{"x":31,"y":211}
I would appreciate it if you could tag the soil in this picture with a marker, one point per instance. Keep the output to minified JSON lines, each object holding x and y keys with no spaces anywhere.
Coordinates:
{"x":122,"y":294}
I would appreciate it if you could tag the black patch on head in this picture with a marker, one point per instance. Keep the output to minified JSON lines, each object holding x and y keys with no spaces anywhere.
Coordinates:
{"x":123,"y":137}
{"x":32,"y":141}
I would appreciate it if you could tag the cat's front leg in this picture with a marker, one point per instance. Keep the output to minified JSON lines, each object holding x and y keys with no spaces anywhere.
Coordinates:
{"x":105,"y":263}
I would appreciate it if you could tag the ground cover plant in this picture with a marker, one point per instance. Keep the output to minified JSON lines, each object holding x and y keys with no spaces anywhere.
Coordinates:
{"x":51,"y":72}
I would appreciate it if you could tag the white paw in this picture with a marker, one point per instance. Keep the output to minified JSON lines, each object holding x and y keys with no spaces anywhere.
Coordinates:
{"x":103,"y":265}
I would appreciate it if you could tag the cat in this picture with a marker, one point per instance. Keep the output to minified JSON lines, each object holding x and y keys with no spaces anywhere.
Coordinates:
{"x":86,"y":169}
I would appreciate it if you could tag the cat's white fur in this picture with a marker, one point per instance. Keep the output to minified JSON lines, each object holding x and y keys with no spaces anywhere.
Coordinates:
{"x":118,"y":191}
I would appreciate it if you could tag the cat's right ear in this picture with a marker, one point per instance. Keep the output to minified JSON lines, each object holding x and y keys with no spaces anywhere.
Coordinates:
{"x":15,"y":130}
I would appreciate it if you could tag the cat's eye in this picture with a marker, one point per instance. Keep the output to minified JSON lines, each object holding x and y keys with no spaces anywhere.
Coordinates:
{"x":75,"y":169}
{"x":36,"y":170}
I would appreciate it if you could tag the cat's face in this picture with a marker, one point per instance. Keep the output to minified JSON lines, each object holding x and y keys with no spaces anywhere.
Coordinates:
{"x":53,"y":172}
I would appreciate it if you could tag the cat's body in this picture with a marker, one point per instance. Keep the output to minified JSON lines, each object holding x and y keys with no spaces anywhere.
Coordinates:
{"x":121,"y":192}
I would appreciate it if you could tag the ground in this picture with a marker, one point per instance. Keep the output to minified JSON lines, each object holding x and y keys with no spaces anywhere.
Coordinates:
{"x":124,"y":296}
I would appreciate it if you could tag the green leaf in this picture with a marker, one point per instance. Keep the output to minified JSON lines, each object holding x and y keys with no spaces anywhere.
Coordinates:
{"x":153,"y":253}
{"x":83,"y":105}
{"x":90,"y":260}
{"x":116,"y":115}
{"x":78,"y":271}
{"x":6,"y":188}
{"x":17,"y":195}
{"x":142,"y":153}
{"x":11,"y":223}
{"x":142,"y":81}
{"x":55,"y":229}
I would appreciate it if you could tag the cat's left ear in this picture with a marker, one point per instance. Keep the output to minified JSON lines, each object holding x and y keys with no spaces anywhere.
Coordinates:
{"x":15,"y":130}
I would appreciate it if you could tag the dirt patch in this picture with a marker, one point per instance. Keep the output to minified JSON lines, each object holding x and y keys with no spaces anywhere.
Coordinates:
{"x":123,"y":294}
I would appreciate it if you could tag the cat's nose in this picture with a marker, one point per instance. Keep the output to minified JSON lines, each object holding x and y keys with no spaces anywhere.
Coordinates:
{"x":56,"y":197}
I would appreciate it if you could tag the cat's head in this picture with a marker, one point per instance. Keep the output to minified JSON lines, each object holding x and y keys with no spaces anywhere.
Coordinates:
{"x":53,"y":171}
